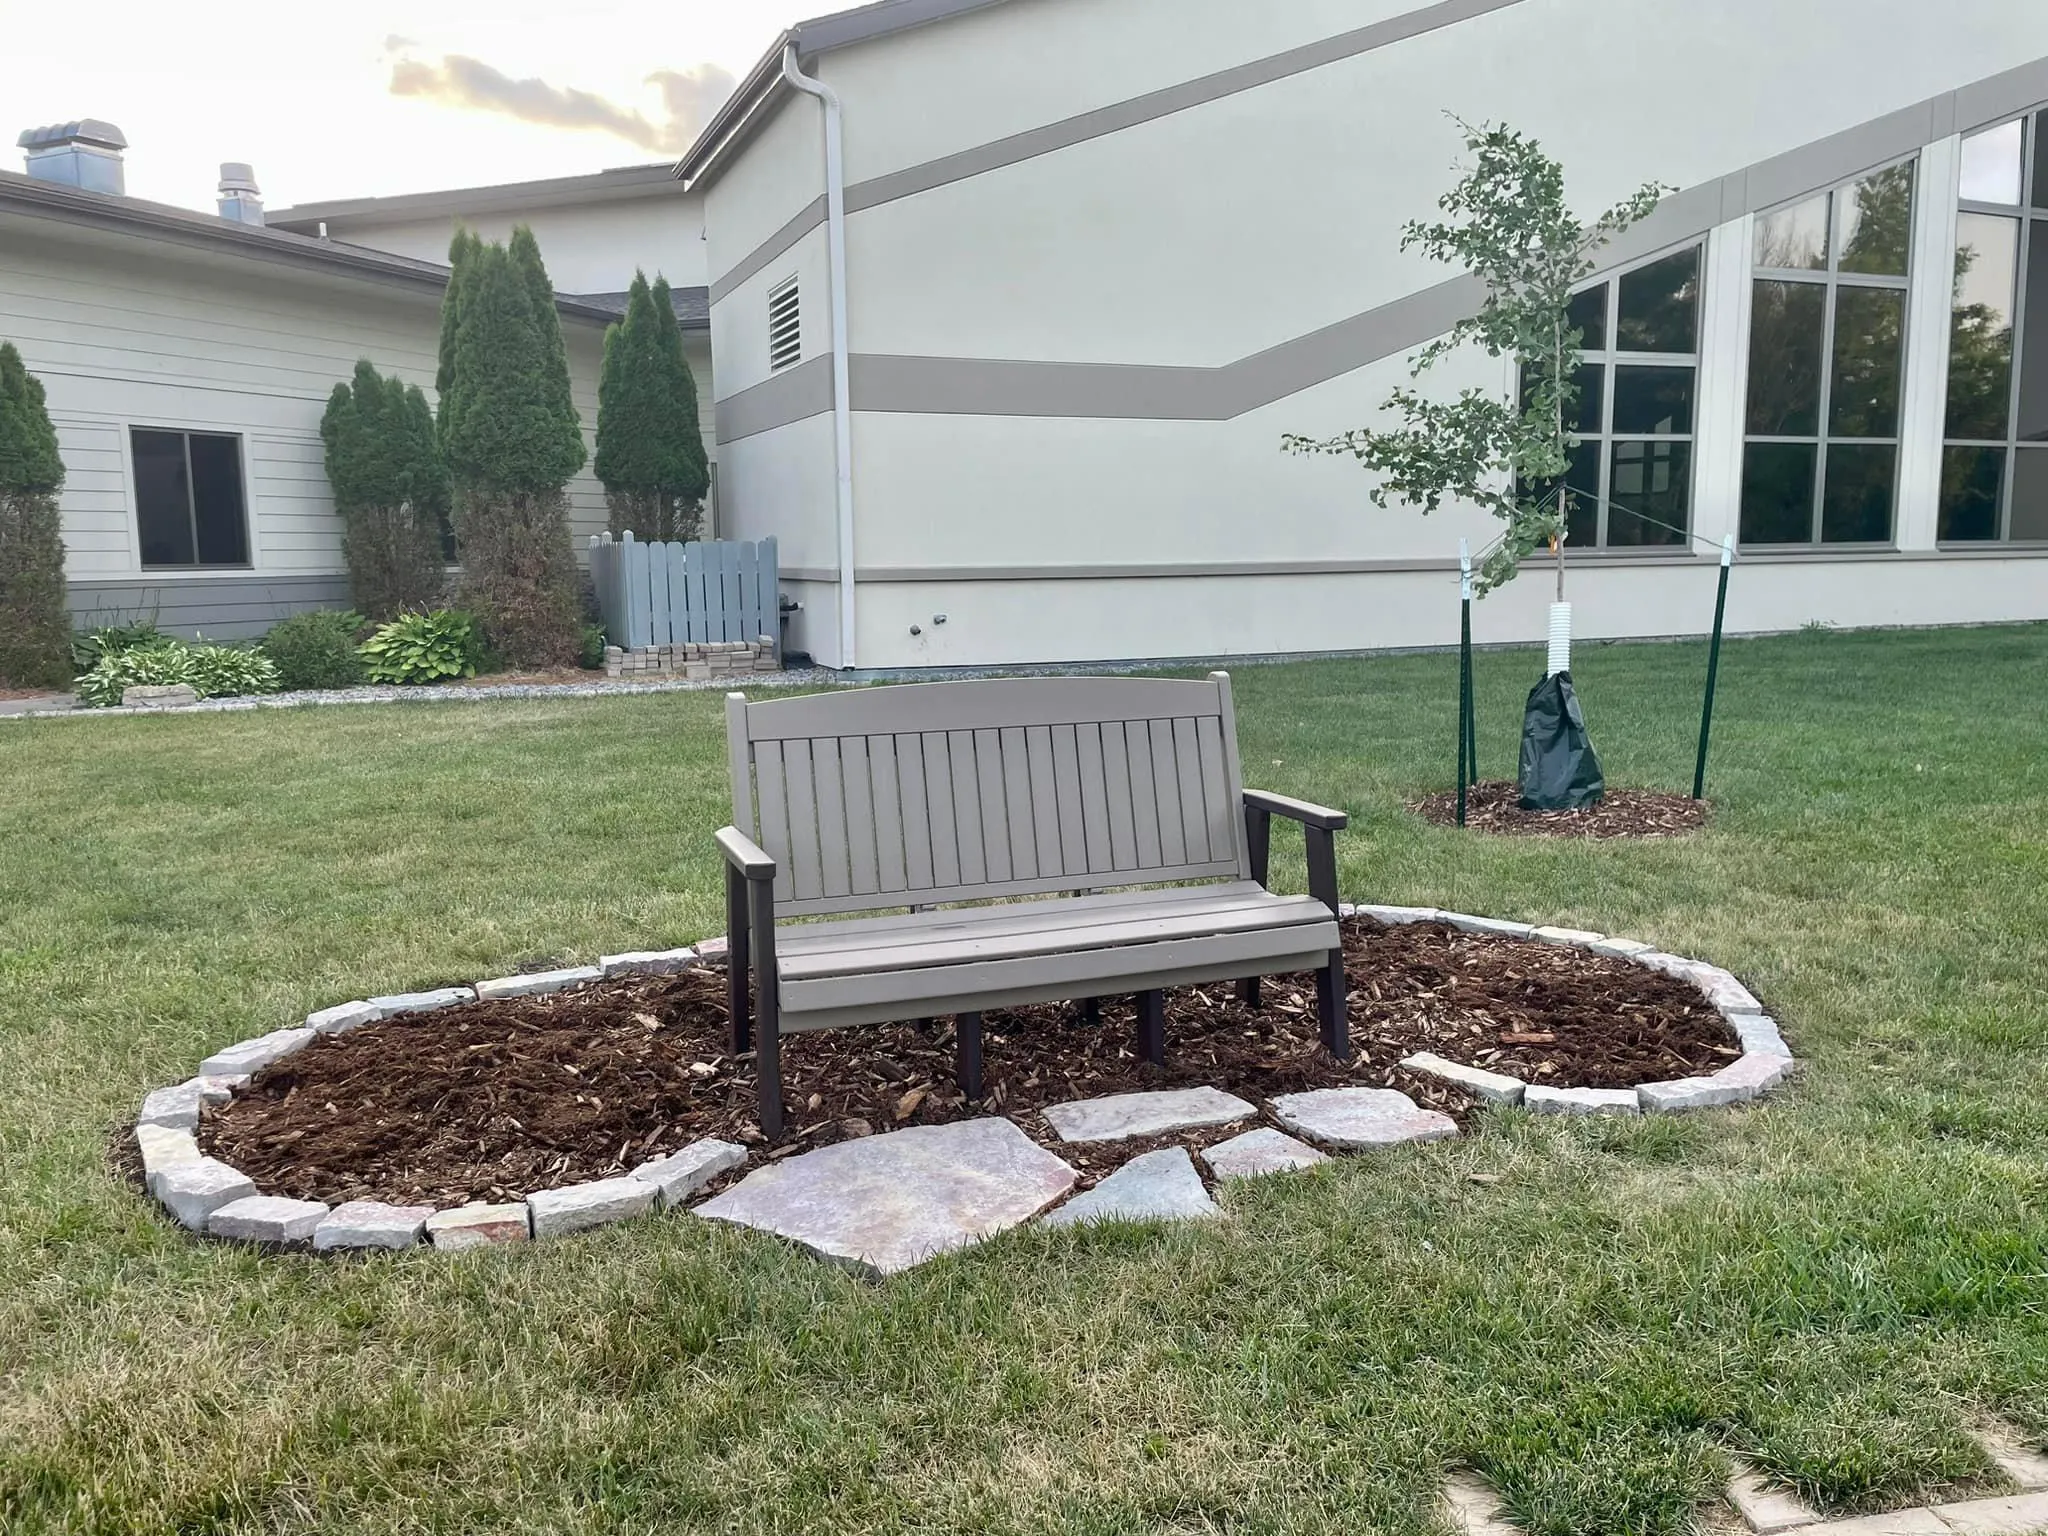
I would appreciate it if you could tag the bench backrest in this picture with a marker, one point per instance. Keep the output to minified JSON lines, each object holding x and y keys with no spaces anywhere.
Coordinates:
{"x":943,"y":792}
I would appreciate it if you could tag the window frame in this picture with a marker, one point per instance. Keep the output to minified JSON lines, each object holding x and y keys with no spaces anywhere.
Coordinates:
{"x":2031,"y":214}
{"x":185,"y":434}
{"x":1831,"y":279}
{"x":1609,"y":358}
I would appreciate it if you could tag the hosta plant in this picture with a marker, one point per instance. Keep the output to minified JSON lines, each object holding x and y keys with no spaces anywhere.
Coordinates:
{"x":424,"y":648}
{"x":211,"y":671}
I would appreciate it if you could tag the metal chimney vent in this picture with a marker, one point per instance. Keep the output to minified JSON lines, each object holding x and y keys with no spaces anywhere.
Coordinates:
{"x":84,"y":154}
{"x":241,"y":200}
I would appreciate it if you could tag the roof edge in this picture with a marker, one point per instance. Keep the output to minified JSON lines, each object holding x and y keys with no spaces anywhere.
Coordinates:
{"x":632,"y":181}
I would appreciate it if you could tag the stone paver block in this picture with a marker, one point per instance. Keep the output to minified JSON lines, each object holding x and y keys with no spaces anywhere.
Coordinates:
{"x":1903,"y":1522}
{"x":192,"y":1192}
{"x":1621,"y":949}
{"x":371,"y":1224}
{"x":175,"y":1108}
{"x":681,"y":1174}
{"x":218,"y":1090}
{"x":1493,"y":1087}
{"x":342,"y":1018}
{"x":648,"y":962}
{"x":252,"y":1056}
{"x":1153,"y":1186}
{"x":1356,"y":1119}
{"x":2016,"y":1456}
{"x":537,"y":984}
{"x":2011,"y":1515}
{"x":1393,"y":916}
{"x":712,"y":951}
{"x":578,"y":1207}
{"x":1258,"y":1153}
{"x":158,"y":696}
{"x":1576,"y":938}
{"x":1475,"y":1509}
{"x":478,"y":1226}
{"x":1500,"y":928}
{"x":164,"y":1147}
{"x":1765,"y":1507}
{"x":1724,"y":991}
{"x":267,"y":1219}
{"x":1123,"y":1115}
{"x":421,"y":1002}
{"x":881,"y":1204}
{"x":1759,"y":1034}
{"x":1671,"y":965}
{"x":1680,"y":1094}
{"x":1755,"y":1073}
{"x":1581,"y":1101}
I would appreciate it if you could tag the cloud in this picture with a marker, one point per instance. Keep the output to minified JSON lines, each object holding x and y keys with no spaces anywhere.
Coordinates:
{"x":689,"y":97}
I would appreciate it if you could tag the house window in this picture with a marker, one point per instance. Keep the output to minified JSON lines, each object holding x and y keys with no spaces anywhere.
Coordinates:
{"x":1994,"y":461}
{"x":1827,"y":342}
{"x":1630,"y":480}
{"x":189,"y":507}
{"x":785,"y":326}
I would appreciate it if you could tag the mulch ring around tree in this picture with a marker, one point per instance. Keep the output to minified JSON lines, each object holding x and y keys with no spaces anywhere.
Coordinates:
{"x":495,"y":1100}
{"x":1496,"y":806}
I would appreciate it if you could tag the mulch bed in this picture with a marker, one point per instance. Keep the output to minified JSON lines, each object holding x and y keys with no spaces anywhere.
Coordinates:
{"x":494,"y":1100}
{"x":1496,"y":806}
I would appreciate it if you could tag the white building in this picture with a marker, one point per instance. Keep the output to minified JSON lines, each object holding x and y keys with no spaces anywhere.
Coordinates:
{"x":188,"y":358}
{"x":1099,"y":255}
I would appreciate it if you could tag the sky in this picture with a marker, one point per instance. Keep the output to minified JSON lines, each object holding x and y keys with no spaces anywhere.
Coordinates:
{"x":377,"y":97}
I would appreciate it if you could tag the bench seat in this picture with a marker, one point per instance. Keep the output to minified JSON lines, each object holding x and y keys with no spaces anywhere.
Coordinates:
{"x":873,"y":969}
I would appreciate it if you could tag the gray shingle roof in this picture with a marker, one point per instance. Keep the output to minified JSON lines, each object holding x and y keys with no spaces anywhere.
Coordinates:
{"x":693,"y":305}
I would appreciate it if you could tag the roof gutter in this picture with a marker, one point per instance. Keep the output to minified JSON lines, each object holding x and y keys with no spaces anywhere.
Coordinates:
{"x":842,"y":399}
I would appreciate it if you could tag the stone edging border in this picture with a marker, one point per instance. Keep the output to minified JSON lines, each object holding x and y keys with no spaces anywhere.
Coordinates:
{"x":206,"y":1195}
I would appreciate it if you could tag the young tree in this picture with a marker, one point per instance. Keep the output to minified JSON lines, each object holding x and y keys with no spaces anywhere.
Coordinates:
{"x":391,"y":490}
{"x":512,"y":441}
{"x":35,"y":631}
{"x":1507,"y":223}
{"x":461,"y":250}
{"x":650,"y":449}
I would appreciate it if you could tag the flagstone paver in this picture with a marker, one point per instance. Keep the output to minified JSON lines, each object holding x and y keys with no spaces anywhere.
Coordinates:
{"x":1258,"y":1153}
{"x":881,"y":1204}
{"x":1359,"y":1119}
{"x":1123,"y":1115}
{"x":1153,"y":1186}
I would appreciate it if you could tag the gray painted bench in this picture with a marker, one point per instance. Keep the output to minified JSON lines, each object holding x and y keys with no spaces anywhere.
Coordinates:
{"x":1086,"y":793}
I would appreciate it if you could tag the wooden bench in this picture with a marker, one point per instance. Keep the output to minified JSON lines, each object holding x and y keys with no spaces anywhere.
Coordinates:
{"x":1078,"y":791}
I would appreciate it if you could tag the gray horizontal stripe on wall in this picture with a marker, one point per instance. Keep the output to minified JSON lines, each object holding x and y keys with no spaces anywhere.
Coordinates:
{"x":1205,"y":570}
{"x":1115,"y":118}
{"x":794,"y":395}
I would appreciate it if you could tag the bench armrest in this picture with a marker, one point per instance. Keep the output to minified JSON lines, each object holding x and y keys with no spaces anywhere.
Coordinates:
{"x":746,"y":857}
{"x":1296,"y":810}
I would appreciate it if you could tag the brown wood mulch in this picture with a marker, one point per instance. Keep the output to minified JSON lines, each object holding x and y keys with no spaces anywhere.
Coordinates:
{"x":494,"y":1100}
{"x":1496,"y":806}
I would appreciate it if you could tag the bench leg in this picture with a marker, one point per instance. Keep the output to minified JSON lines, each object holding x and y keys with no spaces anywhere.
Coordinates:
{"x":1091,"y":1010}
{"x":1152,"y":1027}
{"x":736,"y":956}
{"x":1248,"y":992}
{"x":967,"y":1053}
{"x":767,"y":1009}
{"x":1330,"y":1011}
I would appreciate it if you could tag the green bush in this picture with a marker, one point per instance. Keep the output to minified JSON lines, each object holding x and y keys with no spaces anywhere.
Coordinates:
{"x":317,"y":650}
{"x":424,"y":648}
{"x":590,"y":653}
{"x":33,"y":624}
{"x":211,"y":671}
{"x":89,"y":647}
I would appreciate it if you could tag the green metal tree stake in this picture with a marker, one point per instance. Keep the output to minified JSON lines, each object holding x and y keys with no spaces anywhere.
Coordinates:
{"x":1467,"y":753}
{"x":1699,"y":772}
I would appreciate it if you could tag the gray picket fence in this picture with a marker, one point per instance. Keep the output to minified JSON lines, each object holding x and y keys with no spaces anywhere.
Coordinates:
{"x":671,"y":594}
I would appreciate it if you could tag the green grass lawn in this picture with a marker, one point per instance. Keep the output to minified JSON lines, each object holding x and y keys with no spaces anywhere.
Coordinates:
{"x":1834,"y":1283}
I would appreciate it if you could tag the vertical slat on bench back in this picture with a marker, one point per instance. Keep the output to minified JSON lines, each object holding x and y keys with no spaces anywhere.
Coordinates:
{"x":942,"y":792}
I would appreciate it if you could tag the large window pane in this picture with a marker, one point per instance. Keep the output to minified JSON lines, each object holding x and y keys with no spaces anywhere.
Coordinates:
{"x":1784,"y":359}
{"x":2040,"y":164}
{"x":1591,"y":380}
{"x":1991,"y":164}
{"x":1795,"y":238}
{"x":2034,"y":343}
{"x":1980,"y":327}
{"x":1777,"y":493}
{"x":1653,"y":400}
{"x":1589,"y":315}
{"x":1971,"y":479}
{"x":1582,"y":518}
{"x":1856,"y":506}
{"x":1869,"y":342}
{"x":1659,"y":306}
{"x":217,"y":499}
{"x":163,"y":504}
{"x":2030,"y":494}
{"x":1650,"y":493}
{"x":1874,"y":222}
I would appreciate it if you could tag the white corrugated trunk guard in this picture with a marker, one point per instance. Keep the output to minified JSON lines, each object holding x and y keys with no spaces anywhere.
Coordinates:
{"x":1560,"y":640}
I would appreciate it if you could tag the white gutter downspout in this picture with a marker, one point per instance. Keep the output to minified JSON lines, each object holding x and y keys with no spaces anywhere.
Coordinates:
{"x":842,"y":398}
